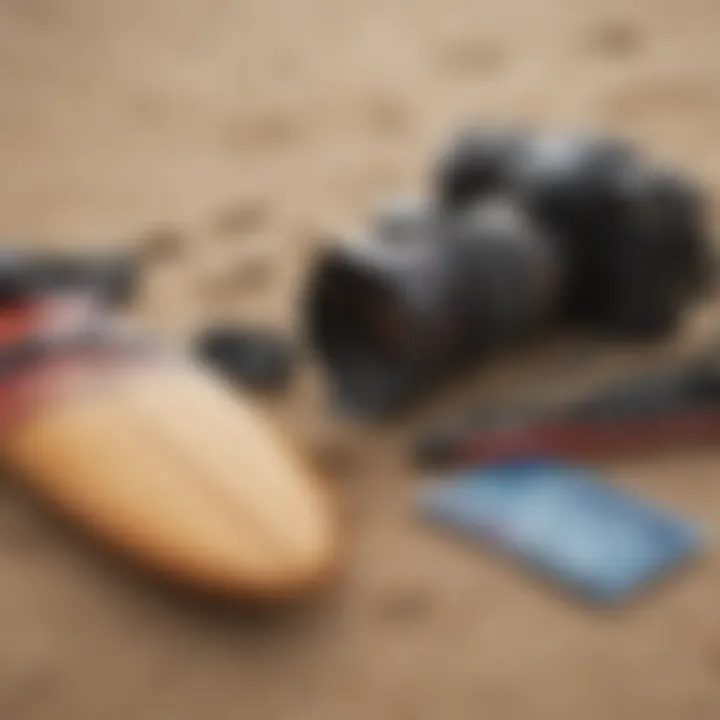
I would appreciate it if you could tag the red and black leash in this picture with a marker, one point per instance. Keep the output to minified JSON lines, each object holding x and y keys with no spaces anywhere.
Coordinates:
{"x":55,"y":326}
{"x":672,"y":410}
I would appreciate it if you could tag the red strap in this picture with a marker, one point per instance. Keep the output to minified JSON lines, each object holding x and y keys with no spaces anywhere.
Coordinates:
{"x":585,"y":440}
{"x":17,"y":322}
{"x":58,"y":323}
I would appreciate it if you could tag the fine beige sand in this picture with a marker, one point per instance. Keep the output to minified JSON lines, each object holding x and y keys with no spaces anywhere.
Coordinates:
{"x":234,"y":137}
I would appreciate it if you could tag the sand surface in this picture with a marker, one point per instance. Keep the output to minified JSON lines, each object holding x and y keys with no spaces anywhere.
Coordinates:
{"x":244,"y":133}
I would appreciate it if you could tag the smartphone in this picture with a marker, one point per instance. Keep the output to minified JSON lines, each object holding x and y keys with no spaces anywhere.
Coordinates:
{"x":566,"y":523}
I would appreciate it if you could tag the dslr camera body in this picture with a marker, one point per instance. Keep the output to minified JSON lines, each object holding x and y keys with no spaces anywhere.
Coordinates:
{"x":522,"y":233}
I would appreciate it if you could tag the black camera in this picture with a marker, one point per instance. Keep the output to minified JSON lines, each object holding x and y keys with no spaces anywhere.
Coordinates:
{"x":521,"y":233}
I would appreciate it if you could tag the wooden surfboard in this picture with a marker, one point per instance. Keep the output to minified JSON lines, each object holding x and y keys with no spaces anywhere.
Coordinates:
{"x":151,"y":453}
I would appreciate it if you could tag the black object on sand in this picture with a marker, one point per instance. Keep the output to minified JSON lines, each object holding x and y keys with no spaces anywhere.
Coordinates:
{"x":254,"y":358}
{"x":111,"y":277}
{"x":523,"y":232}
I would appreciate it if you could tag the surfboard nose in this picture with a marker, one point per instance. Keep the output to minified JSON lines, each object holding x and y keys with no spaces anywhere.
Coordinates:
{"x":169,"y":468}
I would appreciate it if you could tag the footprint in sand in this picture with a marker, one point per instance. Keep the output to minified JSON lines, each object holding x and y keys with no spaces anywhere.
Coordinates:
{"x":161,"y":243}
{"x":242,"y":219}
{"x":268,"y":131}
{"x":617,"y":38}
{"x":471,"y":57}
{"x":236,"y":256}
{"x":249,"y":271}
